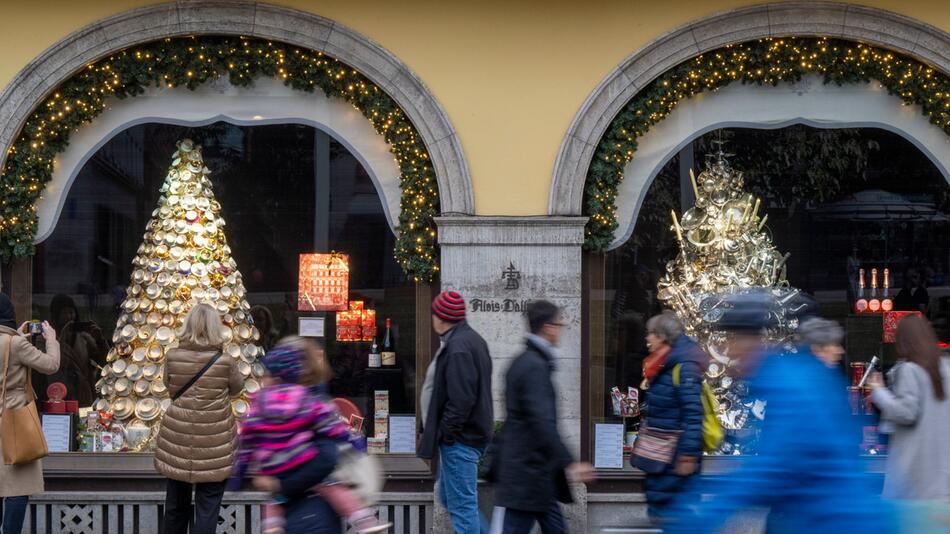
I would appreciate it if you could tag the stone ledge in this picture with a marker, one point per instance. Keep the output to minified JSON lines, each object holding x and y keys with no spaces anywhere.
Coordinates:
{"x":149,"y":497}
{"x":616,"y":497}
{"x":515,"y":231}
{"x":140,"y":466}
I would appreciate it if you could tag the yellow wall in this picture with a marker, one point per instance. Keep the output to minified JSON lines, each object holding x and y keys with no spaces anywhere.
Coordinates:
{"x":510,"y":74}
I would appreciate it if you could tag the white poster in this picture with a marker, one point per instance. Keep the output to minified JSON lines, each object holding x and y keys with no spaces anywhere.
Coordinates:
{"x":310,"y":326}
{"x":608,"y":446}
{"x":402,"y":434}
{"x":57,"y":428}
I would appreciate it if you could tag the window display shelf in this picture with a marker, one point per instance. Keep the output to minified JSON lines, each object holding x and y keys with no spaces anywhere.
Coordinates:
{"x":80,"y":471}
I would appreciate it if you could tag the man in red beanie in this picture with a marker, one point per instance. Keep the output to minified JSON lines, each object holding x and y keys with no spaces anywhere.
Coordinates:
{"x":456,"y":412}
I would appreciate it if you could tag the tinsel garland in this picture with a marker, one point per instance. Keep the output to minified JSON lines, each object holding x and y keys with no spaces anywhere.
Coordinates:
{"x":190,"y":62}
{"x":763,"y":62}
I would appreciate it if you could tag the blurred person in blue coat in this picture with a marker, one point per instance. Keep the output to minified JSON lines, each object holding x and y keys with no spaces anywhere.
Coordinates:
{"x":807,"y":472}
{"x":670,"y":406}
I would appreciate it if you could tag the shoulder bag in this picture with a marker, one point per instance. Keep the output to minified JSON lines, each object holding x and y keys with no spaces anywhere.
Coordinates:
{"x":21,"y":433}
{"x":195,"y":378}
{"x":654,"y":449}
{"x":361,"y":472}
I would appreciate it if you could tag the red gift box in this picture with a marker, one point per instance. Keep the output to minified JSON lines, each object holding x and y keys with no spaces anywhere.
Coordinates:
{"x":54,"y":407}
{"x":356,"y":324}
{"x":891,"y":320}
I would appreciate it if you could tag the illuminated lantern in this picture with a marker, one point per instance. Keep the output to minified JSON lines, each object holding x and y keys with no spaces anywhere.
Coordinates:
{"x":324,"y":282}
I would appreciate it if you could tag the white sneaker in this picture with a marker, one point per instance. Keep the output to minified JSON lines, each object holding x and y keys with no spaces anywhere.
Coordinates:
{"x":382,"y":527}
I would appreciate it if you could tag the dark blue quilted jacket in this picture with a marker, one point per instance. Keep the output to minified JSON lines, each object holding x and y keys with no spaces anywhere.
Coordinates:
{"x":680,"y":407}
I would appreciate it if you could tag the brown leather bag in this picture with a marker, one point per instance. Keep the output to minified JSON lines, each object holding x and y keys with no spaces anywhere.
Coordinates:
{"x":21,"y":433}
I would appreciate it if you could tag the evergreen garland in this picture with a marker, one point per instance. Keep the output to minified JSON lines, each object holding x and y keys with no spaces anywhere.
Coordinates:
{"x":190,"y":62}
{"x":763,"y":62}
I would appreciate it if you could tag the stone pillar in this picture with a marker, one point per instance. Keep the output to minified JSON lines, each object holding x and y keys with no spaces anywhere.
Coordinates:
{"x":499,"y":264}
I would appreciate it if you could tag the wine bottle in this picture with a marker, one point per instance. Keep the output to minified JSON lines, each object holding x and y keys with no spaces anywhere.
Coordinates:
{"x":861,"y":304}
{"x":874,"y":304}
{"x":886,"y":303}
{"x":389,"y":353}
{"x":375,"y":359}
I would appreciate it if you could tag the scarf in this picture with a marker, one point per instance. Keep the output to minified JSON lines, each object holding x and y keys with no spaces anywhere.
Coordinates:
{"x":653,"y":363}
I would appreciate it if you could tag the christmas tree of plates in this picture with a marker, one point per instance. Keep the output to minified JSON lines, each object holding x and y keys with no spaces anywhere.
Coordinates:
{"x":184,"y":259}
{"x":725,"y":249}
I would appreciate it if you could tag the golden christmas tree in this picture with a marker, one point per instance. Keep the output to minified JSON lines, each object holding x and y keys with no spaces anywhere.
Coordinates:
{"x":725,"y":248}
{"x":184,"y":259}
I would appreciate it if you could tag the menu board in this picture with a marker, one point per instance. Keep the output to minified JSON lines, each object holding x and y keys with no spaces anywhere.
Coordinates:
{"x":402,"y":434}
{"x":608,"y":446}
{"x":58,"y":431}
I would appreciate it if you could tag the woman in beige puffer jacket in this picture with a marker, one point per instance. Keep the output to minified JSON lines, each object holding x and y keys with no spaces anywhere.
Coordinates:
{"x":198,"y":436}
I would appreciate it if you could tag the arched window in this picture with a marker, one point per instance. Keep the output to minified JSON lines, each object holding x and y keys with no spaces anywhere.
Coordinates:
{"x":838,"y":200}
{"x":284,"y":189}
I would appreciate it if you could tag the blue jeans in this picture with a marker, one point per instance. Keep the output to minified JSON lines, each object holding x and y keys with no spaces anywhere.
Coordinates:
{"x":521,"y":522}
{"x":13,"y":510}
{"x":458,"y":487}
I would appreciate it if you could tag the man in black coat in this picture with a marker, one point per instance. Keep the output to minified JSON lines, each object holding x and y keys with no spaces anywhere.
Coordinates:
{"x":457,"y":416}
{"x":533,"y":466}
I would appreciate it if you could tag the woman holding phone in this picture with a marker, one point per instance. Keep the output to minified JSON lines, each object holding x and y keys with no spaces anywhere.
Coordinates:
{"x":18,"y":358}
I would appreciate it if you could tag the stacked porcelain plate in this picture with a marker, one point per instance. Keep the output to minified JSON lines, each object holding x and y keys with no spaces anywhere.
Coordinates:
{"x":184,"y":259}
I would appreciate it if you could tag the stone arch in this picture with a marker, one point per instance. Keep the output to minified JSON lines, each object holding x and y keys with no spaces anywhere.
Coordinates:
{"x":814,"y":19}
{"x":253,"y":19}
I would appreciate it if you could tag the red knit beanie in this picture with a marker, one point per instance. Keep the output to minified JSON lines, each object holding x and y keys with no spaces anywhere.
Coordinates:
{"x":449,"y":306}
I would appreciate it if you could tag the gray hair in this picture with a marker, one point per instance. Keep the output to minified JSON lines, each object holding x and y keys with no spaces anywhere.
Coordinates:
{"x":818,"y":331}
{"x":202,"y":327}
{"x":666,"y":326}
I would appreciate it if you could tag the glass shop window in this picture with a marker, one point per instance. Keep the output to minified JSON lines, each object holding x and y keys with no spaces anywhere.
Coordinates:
{"x":841,"y":202}
{"x":283,"y":190}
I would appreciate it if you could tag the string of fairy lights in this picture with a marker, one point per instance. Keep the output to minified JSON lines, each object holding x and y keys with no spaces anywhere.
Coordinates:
{"x":763,"y":62}
{"x":190,"y":62}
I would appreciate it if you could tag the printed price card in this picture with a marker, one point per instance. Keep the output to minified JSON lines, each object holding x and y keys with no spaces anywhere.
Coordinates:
{"x":311,"y":326}
{"x":402,"y":434}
